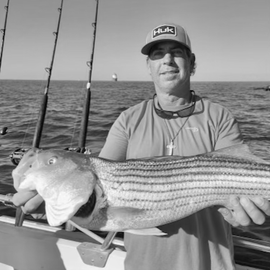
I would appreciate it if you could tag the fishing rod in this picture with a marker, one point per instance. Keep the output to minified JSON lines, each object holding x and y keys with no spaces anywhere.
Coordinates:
{"x":18,"y":154}
{"x":40,"y":122}
{"x":85,"y":117}
{"x":4,"y":33}
{"x":83,"y":131}
{"x":42,"y":113}
{"x":86,"y":109}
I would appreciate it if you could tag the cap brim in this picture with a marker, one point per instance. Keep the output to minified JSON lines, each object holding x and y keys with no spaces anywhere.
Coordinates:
{"x":146,"y":48}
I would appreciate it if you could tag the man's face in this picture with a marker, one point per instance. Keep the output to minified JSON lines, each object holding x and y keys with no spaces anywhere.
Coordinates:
{"x":169,"y":66}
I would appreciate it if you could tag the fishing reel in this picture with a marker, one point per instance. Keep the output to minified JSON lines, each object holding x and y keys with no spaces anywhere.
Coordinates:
{"x":83,"y":150}
{"x":17,"y":155}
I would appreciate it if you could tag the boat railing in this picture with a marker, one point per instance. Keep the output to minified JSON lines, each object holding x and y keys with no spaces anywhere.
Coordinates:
{"x":110,"y":238}
{"x":97,"y":250}
{"x":251,"y":243}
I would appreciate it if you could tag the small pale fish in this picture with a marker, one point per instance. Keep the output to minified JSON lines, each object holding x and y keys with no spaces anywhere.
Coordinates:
{"x":100,"y":194}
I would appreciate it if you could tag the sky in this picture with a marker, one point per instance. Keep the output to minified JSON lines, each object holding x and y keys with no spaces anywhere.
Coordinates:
{"x":230,"y":38}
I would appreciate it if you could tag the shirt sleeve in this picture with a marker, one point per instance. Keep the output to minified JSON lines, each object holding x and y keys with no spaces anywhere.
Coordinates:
{"x":115,"y":147}
{"x":228,"y":134}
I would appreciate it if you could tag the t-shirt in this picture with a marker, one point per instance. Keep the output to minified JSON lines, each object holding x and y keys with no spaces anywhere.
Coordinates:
{"x":202,"y":241}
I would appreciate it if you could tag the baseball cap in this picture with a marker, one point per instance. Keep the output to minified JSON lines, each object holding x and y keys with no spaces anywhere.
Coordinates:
{"x":164,"y":32}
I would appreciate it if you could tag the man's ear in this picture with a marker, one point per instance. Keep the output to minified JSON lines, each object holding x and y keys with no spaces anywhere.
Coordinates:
{"x":192,"y":63}
{"x":148,"y":65}
{"x":193,"y":60}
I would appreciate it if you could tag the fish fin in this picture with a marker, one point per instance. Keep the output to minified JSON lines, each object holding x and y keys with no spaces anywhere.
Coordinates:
{"x":149,"y":231}
{"x":240,"y":151}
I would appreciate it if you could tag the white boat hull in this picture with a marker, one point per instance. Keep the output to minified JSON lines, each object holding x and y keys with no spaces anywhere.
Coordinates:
{"x":30,"y":248}
{"x":37,"y":246}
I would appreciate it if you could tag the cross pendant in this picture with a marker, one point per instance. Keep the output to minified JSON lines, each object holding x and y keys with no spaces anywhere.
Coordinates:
{"x":170,"y":146}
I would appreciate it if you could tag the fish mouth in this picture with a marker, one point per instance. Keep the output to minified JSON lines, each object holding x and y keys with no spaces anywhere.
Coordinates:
{"x":87,"y":209}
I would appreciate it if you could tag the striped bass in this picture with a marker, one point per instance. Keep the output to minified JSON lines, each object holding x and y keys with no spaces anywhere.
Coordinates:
{"x":100,"y":194}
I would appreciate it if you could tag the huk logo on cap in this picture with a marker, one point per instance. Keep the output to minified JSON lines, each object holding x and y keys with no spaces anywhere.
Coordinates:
{"x":164,"y":30}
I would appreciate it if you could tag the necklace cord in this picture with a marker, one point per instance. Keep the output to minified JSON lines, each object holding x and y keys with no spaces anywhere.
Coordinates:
{"x":186,"y":112}
{"x":167,"y":115}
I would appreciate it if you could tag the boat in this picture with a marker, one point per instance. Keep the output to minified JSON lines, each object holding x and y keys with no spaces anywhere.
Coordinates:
{"x":266,"y":88}
{"x":36,"y":245}
{"x":114,"y":77}
{"x":28,"y":244}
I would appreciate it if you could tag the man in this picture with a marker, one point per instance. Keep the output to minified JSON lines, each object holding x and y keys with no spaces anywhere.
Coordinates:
{"x":176,"y":122}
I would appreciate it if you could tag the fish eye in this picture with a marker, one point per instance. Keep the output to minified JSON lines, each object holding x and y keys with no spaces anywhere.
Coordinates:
{"x":52,"y":160}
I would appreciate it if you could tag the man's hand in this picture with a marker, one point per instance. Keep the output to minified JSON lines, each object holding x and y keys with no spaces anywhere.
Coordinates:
{"x":241,"y":211}
{"x":31,"y":203}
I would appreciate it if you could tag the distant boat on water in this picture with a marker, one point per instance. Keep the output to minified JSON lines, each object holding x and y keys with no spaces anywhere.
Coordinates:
{"x":114,"y":77}
{"x":267,"y":88}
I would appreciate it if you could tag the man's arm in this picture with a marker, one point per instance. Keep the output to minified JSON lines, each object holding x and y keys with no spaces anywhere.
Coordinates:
{"x":242,"y":211}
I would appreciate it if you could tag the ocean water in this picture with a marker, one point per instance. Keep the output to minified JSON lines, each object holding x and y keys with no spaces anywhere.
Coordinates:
{"x":20,"y":103}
